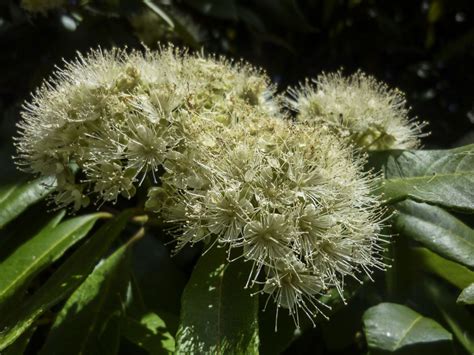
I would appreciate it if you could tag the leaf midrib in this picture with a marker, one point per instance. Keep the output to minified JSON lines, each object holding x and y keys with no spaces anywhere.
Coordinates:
{"x":8,"y":193}
{"x":459,"y":237}
{"x":101,"y":300}
{"x":427,"y":177}
{"x":417,"y":319}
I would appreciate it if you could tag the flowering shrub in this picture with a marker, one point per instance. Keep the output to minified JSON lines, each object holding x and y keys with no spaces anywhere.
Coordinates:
{"x":229,"y":168}
{"x":286,"y":192}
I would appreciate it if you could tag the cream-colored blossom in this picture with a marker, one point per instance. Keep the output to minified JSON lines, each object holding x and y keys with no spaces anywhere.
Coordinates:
{"x":297,"y":206}
{"x":221,"y":162}
{"x":125,"y":113}
{"x":358,"y":108}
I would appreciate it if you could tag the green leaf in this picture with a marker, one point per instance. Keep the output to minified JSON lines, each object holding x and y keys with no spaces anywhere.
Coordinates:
{"x":159,"y":11}
{"x":152,"y":268}
{"x":390,"y":327}
{"x":458,"y":318}
{"x":443,"y":177}
{"x":458,"y":275}
{"x":86,"y":322}
{"x":189,"y":36}
{"x":218,"y":315}
{"x":467,"y":295}
{"x":14,"y":199}
{"x":149,"y":333}
{"x":42,"y":250}
{"x":142,"y":326}
{"x":63,"y":282}
{"x":19,"y":346}
{"x":436,"y":229}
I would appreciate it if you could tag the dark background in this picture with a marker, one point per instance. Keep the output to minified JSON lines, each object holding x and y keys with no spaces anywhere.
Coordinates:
{"x":425,"y":48}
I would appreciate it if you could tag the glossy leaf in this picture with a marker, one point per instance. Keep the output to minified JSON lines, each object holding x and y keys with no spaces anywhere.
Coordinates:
{"x":390,"y":327}
{"x":149,"y":333}
{"x":456,"y":274}
{"x":443,"y":177}
{"x":467,"y":295}
{"x":142,"y":326}
{"x":436,"y":229}
{"x":86,"y":322}
{"x":458,"y":318}
{"x":63,"y":282}
{"x":159,"y":11}
{"x":14,"y":199}
{"x":152,"y":268}
{"x":19,"y":346}
{"x":218,"y":315}
{"x":42,"y":250}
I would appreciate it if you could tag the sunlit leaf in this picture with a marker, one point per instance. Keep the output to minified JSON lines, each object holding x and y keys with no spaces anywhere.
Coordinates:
{"x":87,"y":320}
{"x":456,"y":274}
{"x":63,"y":282}
{"x":218,"y":315}
{"x":14,"y":199}
{"x":159,"y":11}
{"x":467,"y":295}
{"x":19,"y":346}
{"x":443,"y":177}
{"x":390,"y":327}
{"x":149,"y":333}
{"x":436,"y":229}
{"x":41,"y":250}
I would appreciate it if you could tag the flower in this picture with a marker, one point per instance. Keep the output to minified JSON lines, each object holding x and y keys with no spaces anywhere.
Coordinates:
{"x":358,"y":108}
{"x":298,"y":207}
{"x":221,"y":163}
{"x":119,"y":117}
{"x":294,"y":288}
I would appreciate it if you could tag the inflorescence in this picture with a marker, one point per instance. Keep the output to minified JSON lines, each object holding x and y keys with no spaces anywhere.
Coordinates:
{"x":357,"y":108}
{"x":221,"y":162}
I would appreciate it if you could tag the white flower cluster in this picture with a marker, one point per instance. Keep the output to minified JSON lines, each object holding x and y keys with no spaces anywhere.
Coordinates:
{"x":220,"y":161}
{"x":121,"y":118}
{"x":358,"y":108}
{"x":295,"y":202}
